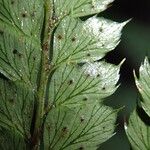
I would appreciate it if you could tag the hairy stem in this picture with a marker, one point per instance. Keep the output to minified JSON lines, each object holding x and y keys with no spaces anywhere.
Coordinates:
{"x":43,"y":75}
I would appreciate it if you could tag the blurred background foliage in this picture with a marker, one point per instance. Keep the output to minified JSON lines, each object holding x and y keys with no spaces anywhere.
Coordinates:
{"x":134,"y":46}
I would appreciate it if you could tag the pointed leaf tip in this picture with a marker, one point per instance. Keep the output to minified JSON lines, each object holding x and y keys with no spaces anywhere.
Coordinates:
{"x":143,"y":85}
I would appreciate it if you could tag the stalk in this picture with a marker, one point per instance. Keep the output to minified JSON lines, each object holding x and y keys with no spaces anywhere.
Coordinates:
{"x":43,"y":75}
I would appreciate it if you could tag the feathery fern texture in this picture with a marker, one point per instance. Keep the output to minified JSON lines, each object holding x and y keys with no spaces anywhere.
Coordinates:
{"x":51,"y":85}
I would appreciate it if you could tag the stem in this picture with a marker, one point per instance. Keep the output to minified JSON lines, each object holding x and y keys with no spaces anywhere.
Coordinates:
{"x":44,"y":72}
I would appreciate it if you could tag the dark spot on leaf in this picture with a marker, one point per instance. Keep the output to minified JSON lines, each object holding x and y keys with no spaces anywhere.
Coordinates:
{"x":19,"y":54}
{"x":15,"y":51}
{"x":59,"y":37}
{"x":24,"y":15}
{"x":81,"y":64}
{"x":103,"y":128}
{"x":12,"y":2}
{"x":88,"y":54}
{"x":64,"y":129}
{"x":1,"y":32}
{"x":82,"y":119}
{"x":93,"y":6}
{"x":101,"y":29}
{"x":98,"y":75}
{"x":70,"y":82}
{"x":73,"y":39}
{"x":11,"y":100}
{"x":81,"y":148}
{"x":88,"y":75}
{"x":104,"y":88}
{"x":85,"y":99}
{"x":103,"y":45}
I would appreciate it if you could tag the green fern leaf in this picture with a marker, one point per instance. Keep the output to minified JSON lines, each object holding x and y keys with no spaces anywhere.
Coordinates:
{"x":137,"y":131}
{"x":20,"y":48}
{"x":80,"y":8}
{"x":82,"y":127}
{"x":143,"y":85}
{"x":53,"y":84}
{"x":71,"y":84}
{"x":16,"y":109}
{"x":85,"y":41}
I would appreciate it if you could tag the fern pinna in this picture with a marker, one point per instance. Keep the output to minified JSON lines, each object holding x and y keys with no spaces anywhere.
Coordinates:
{"x":52,"y":84}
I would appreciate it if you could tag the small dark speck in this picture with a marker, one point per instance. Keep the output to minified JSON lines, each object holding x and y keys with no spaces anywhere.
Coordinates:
{"x":92,"y":6}
{"x":82,"y":119}
{"x":101,"y":29}
{"x":88,"y":54}
{"x":1,"y":32}
{"x":15,"y":51}
{"x":73,"y":39}
{"x":20,"y":55}
{"x":81,"y":148}
{"x":12,"y":2}
{"x":103,"y":88}
{"x":70,"y":81}
{"x":64,"y":129}
{"x":88,"y":75}
{"x":98,"y":75}
{"x":34,"y":58}
{"x":59,"y":37}
{"x":24,"y":15}
{"x":11,"y":100}
{"x":81,"y":64}
{"x":85,"y":99}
